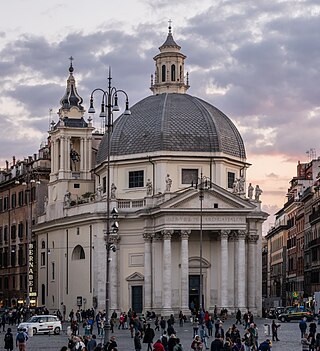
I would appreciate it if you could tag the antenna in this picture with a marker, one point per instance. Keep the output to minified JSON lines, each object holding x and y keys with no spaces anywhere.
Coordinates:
{"x":312,"y":154}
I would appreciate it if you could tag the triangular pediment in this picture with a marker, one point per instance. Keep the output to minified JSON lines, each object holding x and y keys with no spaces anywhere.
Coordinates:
{"x":134,"y":277}
{"x":214,"y":198}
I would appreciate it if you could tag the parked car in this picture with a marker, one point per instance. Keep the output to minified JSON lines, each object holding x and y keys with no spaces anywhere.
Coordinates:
{"x":291,"y":315}
{"x":42,"y":324}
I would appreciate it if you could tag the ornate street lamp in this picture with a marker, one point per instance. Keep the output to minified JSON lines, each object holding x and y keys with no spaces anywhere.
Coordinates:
{"x":109,"y":104}
{"x":203,"y":183}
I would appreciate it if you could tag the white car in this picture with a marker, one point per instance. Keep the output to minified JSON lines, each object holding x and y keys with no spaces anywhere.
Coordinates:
{"x":42,"y":324}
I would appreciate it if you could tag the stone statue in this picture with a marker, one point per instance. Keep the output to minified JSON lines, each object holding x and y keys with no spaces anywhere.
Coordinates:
{"x":258,"y":192}
{"x":235,"y":186}
{"x":149,"y":187}
{"x":99,"y":192}
{"x":67,"y":199}
{"x":241,"y":189}
{"x":75,"y":158}
{"x":113,"y":191}
{"x":250,"y":191}
{"x":168,"y":182}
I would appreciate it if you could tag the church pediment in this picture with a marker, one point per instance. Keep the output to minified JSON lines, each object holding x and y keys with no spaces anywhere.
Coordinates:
{"x":135,"y":277}
{"x":215,"y":198}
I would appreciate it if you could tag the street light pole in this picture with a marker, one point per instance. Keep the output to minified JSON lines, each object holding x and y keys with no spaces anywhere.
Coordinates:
{"x":109,"y":105}
{"x":204,"y":184}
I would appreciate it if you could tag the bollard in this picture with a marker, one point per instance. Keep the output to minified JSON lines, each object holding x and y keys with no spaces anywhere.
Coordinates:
{"x":69,"y":332}
{"x":30,"y":331}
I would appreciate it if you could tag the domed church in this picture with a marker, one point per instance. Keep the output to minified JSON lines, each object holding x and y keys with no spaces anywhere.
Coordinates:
{"x":189,"y":224}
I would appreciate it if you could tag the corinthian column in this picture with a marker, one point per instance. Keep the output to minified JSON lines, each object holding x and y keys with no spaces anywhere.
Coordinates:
{"x":241,"y":270}
{"x":184,"y":234}
{"x":166,"y":279}
{"x":147,"y":272}
{"x":224,"y":267}
{"x":252,"y":252}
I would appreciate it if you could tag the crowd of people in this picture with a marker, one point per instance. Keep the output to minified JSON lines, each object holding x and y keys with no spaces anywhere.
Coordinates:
{"x":241,"y":336}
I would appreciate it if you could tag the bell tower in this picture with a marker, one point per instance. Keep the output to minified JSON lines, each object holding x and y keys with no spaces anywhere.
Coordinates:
{"x":169,"y":76}
{"x":71,"y":147}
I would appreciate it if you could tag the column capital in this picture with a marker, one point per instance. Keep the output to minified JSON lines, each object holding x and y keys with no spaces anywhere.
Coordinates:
{"x":242,"y":234}
{"x":167,"y":234}
{"x":224,"y":234}
{"x":147,"y":237}
{"x":184,"y":234}
{"x":252,"y":239}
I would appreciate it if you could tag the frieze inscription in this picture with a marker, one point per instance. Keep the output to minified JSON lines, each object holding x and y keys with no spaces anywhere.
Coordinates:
{"x":205,"y":219}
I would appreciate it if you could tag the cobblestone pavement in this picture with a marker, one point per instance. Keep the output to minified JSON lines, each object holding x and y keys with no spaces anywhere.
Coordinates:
{"x":288,"y":333}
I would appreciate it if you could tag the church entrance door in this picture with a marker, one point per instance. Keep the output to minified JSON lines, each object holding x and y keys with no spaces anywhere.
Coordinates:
{"x":194,"y":292}
{"x":136,"y":298}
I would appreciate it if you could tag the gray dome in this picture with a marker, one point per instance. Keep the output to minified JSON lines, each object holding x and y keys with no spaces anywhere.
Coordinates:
{"x":173,"y":122}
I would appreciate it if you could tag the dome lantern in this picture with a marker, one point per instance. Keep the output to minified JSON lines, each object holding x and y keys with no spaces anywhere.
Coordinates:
{"x":169,"y":74}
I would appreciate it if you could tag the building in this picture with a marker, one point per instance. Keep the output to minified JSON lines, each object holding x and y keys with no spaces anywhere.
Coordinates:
{"x":23,"y":189}
{"x":169,"y":142}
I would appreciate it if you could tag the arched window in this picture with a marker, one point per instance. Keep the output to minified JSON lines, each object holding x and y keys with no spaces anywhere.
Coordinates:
{"x":43,"y":244}
{"x":163,"y":73}
{"x":173,"y":73}
{"x":78,"y":253}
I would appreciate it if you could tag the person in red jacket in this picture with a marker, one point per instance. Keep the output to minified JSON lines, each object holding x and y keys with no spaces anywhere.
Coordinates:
{"x":157,"y":346}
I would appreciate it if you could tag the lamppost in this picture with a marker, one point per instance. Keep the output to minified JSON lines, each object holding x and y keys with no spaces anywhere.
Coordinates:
{"x":203,"y":183}
{"x":28,"y":180}
{"x":109,"y":104}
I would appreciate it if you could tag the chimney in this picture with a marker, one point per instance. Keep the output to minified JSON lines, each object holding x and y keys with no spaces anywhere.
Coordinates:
{"x":7,"y":165}
{"x":13,"y":160}
{"x":35,"y":157}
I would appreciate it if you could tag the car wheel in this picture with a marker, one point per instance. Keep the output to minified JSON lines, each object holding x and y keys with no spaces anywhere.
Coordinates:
{"x":56,"y":331}
{"x":34,"y":331}
{"x":283,"y":319}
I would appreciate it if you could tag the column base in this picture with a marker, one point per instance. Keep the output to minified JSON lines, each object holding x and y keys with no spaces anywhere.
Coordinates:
{"x":166,"y":312}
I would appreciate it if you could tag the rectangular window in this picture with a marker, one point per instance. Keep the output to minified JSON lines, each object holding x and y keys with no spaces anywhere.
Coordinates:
{"x":13,"y":232}
{"x":13,"y":256}
{"x":20,"y":230}
{"x":20,"y":256}
{"x":5,"y":233}
{"x":136,"y":179}
{"x":53,"y":271}
{"x":231,"y":179}
{"x":104,"y":184}
{"x":20,"y":198}
{"x":13,"y":282}
{"x":76,"y":186}
{"x":14,"y":200}
{"x":189,"y":176}
{"x":43,"y":258}
{"x":6,"y":204}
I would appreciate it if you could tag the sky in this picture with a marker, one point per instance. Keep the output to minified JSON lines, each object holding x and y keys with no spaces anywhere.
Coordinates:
{"x":256,"y":60}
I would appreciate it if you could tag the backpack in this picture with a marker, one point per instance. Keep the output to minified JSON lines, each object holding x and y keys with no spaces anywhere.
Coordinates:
{"x":21,"y":337}
{"x":164,"y":341}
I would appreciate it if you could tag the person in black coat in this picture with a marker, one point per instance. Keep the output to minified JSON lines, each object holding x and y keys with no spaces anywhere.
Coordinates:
{"x":148,"y":337}
{"x":217,"y":344}
{"x":8,"y":340}
{"x":137,"y":341}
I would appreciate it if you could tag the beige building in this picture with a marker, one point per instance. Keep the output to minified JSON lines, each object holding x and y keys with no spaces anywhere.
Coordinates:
{"x":170,"y":140}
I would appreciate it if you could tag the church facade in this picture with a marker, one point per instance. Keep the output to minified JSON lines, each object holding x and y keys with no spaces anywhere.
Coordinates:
{"x":178,"y":180}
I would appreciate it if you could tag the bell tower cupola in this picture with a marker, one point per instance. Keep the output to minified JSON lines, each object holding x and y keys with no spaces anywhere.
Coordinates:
{"x":71,"y":147}
{"x":169,"y":75}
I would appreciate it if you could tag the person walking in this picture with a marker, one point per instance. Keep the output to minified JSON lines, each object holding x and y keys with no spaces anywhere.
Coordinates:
{"x":274,"y":329}
{"x":305,"y":343}
{"x":148,"y":337}
{"x":137,"y":341}
{"x":21,"y":340}
{"x":8,"y":340}
{"x":303,"y":327}
{"x":204,"y":336}
{"x":238,"y":317}
{"x":217,"y":343}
